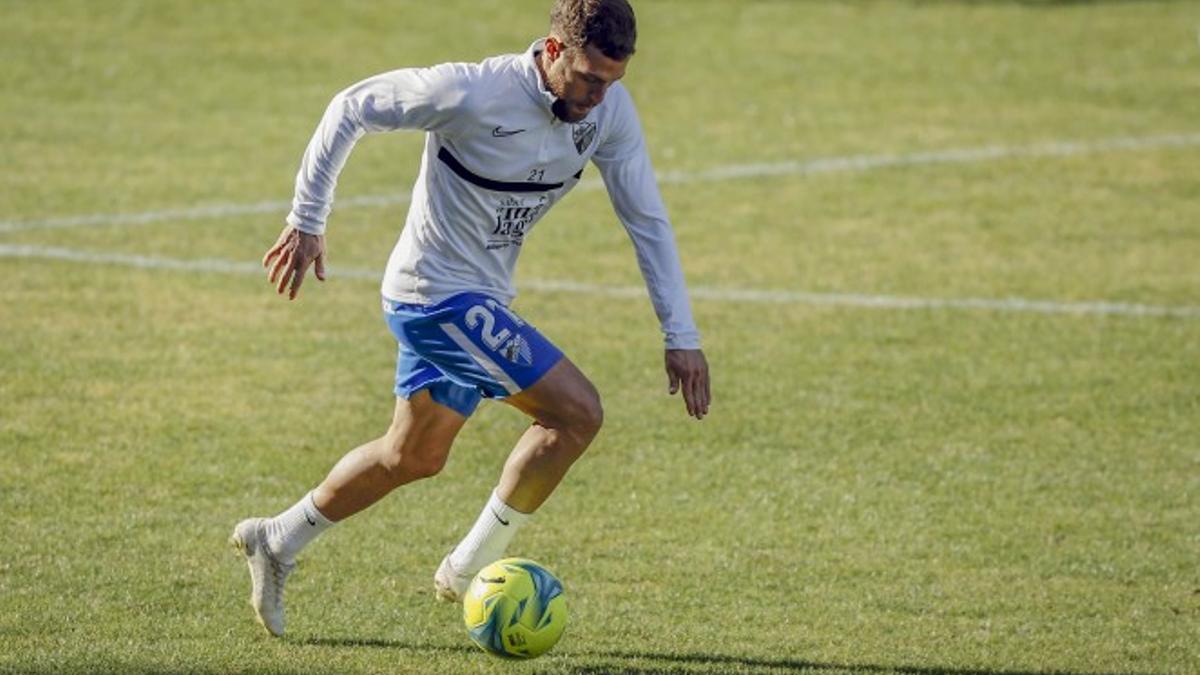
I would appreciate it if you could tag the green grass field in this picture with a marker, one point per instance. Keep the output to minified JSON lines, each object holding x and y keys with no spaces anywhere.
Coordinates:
{"x":945,"y":489}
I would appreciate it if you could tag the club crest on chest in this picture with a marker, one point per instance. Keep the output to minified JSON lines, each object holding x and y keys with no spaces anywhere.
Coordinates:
{"x":583,"y":133}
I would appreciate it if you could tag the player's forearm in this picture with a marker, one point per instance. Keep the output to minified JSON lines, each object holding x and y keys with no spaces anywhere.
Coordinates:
{"x":636,"y":200}
{"x":645,"y":220}
{"x":660,"y":266}
{"x":411,"y":98}
{"x":323,"y":160}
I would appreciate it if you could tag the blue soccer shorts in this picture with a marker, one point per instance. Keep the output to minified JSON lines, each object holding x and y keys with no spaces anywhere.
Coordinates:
{"x":464,"y":348}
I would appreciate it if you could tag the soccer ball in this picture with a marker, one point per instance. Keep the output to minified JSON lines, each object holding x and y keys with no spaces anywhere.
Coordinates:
{"x":514,"y":608}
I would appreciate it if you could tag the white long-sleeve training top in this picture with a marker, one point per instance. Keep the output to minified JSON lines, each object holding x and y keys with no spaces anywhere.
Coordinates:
{"x":496,"y":159}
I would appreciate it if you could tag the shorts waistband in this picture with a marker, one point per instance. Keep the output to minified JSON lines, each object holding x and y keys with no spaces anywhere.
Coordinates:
{"x":396,"y":307}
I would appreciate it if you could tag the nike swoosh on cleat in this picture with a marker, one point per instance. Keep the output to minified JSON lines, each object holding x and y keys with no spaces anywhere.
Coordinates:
{"x":499,"y":132}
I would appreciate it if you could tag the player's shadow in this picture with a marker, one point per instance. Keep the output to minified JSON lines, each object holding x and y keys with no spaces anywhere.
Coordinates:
{"x":385,"y":644}
{"x":1049,"y":4}
{"x":675,"y":664}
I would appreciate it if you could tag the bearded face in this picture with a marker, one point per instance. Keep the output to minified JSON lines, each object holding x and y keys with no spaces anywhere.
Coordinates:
{"x":579,"y":77}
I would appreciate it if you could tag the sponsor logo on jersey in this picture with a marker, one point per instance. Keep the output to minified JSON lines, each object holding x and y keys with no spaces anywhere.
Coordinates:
{"x":513,"y":218}
{"x":583,"y":134}
{"x":500,"y":132}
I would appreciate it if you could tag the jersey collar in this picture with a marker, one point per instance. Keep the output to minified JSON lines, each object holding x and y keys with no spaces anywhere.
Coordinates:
{"x":533,"y":80}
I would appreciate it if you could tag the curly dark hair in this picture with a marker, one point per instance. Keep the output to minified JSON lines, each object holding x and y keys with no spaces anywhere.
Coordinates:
{"x":607,"y":25}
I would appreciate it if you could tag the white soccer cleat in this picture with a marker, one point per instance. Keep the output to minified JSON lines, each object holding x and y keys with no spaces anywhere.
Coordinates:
{"x":449,"y":583}
{"x":267,"y":575}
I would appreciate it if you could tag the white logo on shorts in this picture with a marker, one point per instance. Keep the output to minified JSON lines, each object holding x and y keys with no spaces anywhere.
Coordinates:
{"x":512,"y":347}
{"x":517,"y":351}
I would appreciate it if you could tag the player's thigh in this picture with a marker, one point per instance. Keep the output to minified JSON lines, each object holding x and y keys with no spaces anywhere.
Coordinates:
{"x":422,"y":427}
{"x":564,"y":396}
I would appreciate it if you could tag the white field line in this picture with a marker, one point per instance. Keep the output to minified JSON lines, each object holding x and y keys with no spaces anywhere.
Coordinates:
{"x":740,"y":295}
{"x":210,"y":212}
{"x":851,"y":163}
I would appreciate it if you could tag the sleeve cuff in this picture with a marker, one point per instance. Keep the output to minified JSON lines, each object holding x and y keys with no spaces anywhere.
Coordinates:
{"x":307,"y":226}
{"x":690,"y":340}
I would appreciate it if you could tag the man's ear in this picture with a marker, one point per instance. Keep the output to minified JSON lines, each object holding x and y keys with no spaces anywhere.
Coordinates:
{"x":554,"y":48}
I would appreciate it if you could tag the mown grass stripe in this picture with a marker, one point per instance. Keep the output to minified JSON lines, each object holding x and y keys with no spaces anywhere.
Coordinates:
{"x":846,"y":164}
{"x":740,"y":295}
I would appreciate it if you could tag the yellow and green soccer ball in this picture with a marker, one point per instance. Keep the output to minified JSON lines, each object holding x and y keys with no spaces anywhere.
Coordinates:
{"x":514,"y":608}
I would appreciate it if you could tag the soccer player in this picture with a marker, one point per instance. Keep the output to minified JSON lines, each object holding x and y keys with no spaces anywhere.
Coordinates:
{"x":505,"y":139}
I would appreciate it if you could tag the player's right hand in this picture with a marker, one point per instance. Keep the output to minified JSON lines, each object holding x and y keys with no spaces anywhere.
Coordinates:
{"x":287,"y":261}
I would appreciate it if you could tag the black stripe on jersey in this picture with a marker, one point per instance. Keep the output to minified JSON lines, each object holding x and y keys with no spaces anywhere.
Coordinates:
{"x":497,"y":185}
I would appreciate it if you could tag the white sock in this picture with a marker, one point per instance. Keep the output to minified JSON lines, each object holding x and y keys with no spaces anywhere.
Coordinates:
{"x":291,"y":530}
{"x":486,"y":541}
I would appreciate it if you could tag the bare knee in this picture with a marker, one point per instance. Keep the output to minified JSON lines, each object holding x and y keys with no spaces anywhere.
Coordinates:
{"x":408,"y":456}
{"x":579,"y":416}
{"x":566,"y":403}
{"x":591,"y":416}
{"x":418,"y":441}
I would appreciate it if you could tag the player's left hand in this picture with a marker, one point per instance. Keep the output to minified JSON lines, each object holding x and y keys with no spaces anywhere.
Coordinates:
{"x":687,"y":369}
